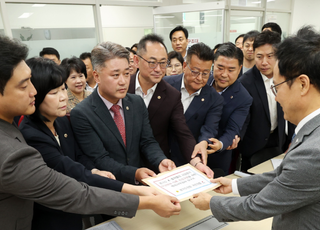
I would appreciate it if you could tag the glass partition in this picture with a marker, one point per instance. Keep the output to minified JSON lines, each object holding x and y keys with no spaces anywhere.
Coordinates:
{"x":203,"y":26}
{"x":279,"y":4}
{"x":282,"y":19}
{"x":247,"y":3}
{"x":68,"y":28}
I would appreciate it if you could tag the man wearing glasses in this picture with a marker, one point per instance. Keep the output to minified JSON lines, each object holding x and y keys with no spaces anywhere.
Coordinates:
{"x":202,"y":105}
{"x":163,"y":101}
{"x":265,"y":136}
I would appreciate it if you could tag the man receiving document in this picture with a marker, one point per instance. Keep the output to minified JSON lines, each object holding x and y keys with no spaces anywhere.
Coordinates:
{"x":290,"y":194}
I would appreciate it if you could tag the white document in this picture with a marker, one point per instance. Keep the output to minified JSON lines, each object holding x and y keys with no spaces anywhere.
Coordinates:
{"x":276,"y":163}
{"x":181,"y":182}
{"x":112,"y":225}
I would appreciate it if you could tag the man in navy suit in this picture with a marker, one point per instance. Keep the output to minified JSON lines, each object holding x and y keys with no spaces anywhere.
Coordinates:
{"x":265,"y":136}
{"x":202,"y":105}
{"x":163,"y":101}
{"x":237,"y":101}
{"x":111,"y":126}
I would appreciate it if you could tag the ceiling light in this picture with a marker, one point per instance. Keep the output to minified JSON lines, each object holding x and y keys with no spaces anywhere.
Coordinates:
{"x":25,"y":15}
{"x":38,"y":5}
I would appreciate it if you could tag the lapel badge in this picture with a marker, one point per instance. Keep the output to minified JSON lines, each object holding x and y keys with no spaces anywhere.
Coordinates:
{"x":231,"y":97}
{"x":202,"y":99}
{"x":127,"y":107}
{"x":65,"y":135}
{"x":159,"y":97}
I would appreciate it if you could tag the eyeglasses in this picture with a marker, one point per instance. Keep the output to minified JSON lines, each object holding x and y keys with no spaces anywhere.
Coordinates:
{"x":274,"y":89}
{"x":176,"y":66}
{"x":197,"y":73}
{"x":154,"y":64}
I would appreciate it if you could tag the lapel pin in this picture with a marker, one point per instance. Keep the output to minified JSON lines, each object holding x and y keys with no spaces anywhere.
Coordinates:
{"x":159,"y":97}
{"x":127,"y":107}
{"x":202,"y":99}
{"x":65,"y":135}
{"x":231,"y":97}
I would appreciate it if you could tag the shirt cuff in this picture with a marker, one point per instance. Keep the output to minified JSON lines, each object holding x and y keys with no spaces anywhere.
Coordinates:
{"x":234,"y":184}
{"x":221,"y":146}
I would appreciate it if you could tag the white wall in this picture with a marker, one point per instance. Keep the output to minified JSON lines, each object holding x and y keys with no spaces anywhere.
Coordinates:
{"x":305,"y":12}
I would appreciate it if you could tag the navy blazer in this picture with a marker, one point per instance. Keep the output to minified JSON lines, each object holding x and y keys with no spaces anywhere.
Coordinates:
{"x":258,"y":130}
{"x":99,"y":137}
{"x":202,"y":116}
{"x":166,"y":113}
{"x":61,"y":158}
{"x":236,"y":106}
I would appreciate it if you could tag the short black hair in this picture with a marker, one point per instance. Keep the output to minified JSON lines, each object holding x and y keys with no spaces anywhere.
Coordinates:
{"x":240,"y":36}
{"x":266,"y":37}
{"x":202,"y":51}
{"x":49,"y":50}
{"x":12,"y":52}
{"x":75,"y":64}
{"x":300,"y":54}
{"x":174,"y":54}
{"x":131,"y":50}
{"x":85,"y":55}
{"x":229,"y":50}
{"x":134,"y":45}
{"x":274,"y":27}
{"x":153,"y":38}
{"x":251,"y":35}
{"x":45,"y":76}
{"x":216,"y":47}
{"x":179,"y":28}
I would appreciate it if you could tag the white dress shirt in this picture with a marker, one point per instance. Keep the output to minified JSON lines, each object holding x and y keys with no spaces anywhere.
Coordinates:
{"x":89,"y":88}
{"x":272,"y":104}
{"x":298,"y":128}
{"x":138,"y":91}
{"x":186,"y":99}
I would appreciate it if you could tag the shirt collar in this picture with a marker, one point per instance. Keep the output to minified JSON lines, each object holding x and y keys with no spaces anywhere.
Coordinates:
{"x":222,"y":90}
{"x":108,"y":103}
{"x":306,"y":119}
{"x":138,"y":86}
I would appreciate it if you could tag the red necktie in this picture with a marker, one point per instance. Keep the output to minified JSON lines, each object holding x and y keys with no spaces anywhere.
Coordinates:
{"x":119,"y":122}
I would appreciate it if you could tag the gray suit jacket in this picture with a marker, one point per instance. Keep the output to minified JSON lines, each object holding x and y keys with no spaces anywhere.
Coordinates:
{"x":100,"y":139}
{"x":25,"y":178}
{"x":290,"y":193}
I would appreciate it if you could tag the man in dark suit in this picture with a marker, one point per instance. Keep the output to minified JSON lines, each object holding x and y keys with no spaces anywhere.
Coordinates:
{"x":112,"y":146}
{"x":202,"y":105}
{"x":25,"y":178}
{"x":163,"y":101}
{"x":290,"y":193}
{"x":265,"y":135}
{"x":237,"y":101}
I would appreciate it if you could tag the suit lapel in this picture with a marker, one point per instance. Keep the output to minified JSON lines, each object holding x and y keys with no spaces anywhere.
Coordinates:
{"x":128,"y":116}
{"x":157,"y":98}
{"x":103,"y":113}
{"x":230,"y":92}
{"x":261,"y":90}
{"x":197,"y":103}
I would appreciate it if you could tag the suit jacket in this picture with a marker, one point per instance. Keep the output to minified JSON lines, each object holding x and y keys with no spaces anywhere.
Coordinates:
{"x":166,"y":113}
{"x":290,"y":193}
{"x":25,"y":178}
{"x":100,"y":139}
{"x":258,"y":129}
{"x":203,"y":114}
{"x":61,"y":158}
{"x":237,"y":102}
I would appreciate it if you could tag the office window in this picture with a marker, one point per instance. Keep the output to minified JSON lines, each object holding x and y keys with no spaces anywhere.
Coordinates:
{"x":68,"y":28}
{"x":246,"y":3}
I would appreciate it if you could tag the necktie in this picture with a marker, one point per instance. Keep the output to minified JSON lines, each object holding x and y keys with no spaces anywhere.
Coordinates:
{"x":119,"y":122}
{"x":293,"y":136}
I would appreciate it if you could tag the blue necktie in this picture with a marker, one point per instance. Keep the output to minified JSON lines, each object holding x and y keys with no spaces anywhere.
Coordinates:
{"x":293,"y":136}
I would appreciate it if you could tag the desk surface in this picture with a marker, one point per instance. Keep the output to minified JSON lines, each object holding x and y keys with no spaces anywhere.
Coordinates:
{"x":265,"y":166}
{"x":147,"y":219}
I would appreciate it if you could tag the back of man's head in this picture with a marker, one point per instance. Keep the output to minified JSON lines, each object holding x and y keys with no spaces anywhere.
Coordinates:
{"x":266,"y":37}
{"x":106,"y":51}
{"x":153,"y":38}
{"x":49,"y":51}
{"x":202,"y":51}
{"x":229,"y":50}
{"x":273,"y":26}
{"x":300,"y":54}
{"x":85,"y":55}
{"x":12,"y":52}
{"x":179,"y":28}
{"x":250,"y":36}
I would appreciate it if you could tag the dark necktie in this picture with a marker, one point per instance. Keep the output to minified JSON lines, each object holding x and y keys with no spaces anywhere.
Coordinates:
{"x":119,"y":122}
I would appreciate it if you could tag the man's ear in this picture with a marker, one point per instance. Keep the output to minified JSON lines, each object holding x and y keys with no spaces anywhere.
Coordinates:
{"x":96,"y":76}
{"x":304,"y":84}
